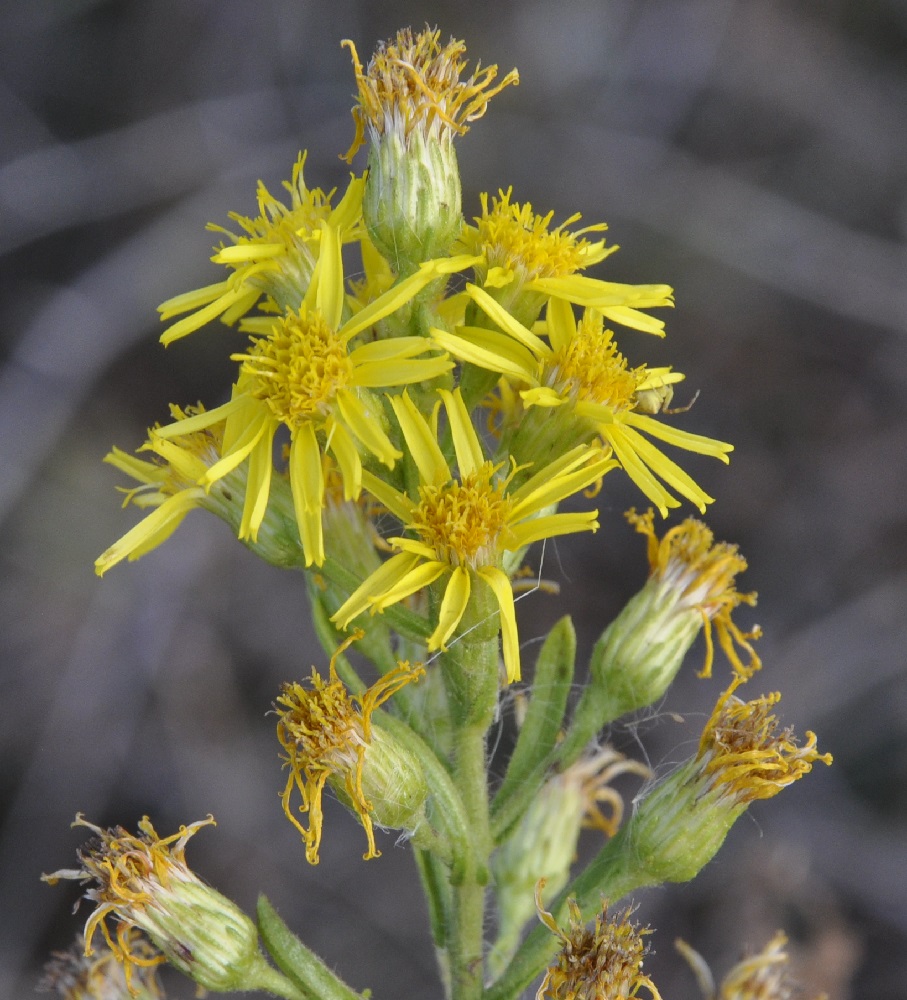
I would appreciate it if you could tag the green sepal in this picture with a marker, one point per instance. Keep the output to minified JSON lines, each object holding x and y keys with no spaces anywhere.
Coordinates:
{"x":297,"y":962}
{"x":538,"y":736}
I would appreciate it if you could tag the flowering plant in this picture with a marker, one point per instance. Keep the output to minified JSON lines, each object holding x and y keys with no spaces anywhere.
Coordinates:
{"x":404,"y":438}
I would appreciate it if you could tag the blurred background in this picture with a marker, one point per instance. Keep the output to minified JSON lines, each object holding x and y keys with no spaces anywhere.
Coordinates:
{"x":752,"y":154}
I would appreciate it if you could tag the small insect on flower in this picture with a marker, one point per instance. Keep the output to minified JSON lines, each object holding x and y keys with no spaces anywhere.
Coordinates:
{"x":657,"y":399}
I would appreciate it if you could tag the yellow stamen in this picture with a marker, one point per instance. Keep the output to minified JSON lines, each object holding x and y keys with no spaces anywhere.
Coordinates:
{"x":463,"y":521}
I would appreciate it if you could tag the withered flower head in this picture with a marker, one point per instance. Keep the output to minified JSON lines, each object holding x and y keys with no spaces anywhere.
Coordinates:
{"x":601,"y":963}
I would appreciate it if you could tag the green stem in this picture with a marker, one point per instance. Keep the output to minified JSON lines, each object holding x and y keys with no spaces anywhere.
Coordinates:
{"x":470,"y":670}
{"x":269,"y":980}
{"x":466,"y":947}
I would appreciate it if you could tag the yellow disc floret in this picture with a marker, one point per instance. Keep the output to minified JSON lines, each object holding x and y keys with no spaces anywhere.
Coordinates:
{"x":299,"y":368}
{"x":326,"y":731}
{"x":590,"y":368}
{"x":413,"y":83}
{"x":605,"y":961}
{"x":743,"y":753}
{"x":463,"y":521}
{"x":699,"y":573}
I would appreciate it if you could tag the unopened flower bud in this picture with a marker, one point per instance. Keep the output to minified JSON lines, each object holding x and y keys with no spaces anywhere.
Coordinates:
{"x":143,"y":882}
{"x":413,"y":104}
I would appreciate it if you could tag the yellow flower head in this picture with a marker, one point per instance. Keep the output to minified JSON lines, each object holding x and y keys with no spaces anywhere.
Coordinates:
{"x":169,"y":485}
{"x":518,"y":245}
{"x":464,"y":524}
{"x":698,"y":574}
{"x":303,"y":373}
{"x":326,"y":731}
{"x":524,"y":262}
{"x":742,"y":757}
{"x":762,"y":976}
{"x":144,"y":882}
{"x":413,"y":84}
{"x":73,"y":975}
{"x":274,"y":257}
{"x":581,"y":367}
{"x":593,"y":964}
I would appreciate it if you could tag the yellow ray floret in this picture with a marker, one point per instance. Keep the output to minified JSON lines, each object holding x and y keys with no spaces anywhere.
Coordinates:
{"x":303,"y":373}
{"x":273,"y":259}
{"x":461,"y":524}
{"x":169,"y":485}
{"x":580,"y":366}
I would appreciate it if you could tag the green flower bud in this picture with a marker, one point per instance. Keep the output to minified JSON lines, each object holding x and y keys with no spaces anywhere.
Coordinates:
{"x":690,"y":587}
{"x":681,"y":822}
{"x":412,"y":203}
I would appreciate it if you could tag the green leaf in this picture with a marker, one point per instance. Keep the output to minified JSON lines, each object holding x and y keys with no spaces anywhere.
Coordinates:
{"x":541,"y":727}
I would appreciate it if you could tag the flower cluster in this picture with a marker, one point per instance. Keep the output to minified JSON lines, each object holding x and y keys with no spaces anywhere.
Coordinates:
{"x":419,"y":402}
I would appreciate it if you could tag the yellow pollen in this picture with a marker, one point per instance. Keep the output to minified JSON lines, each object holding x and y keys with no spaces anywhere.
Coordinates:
{"x":514,"y":238}
{"x":591,"y":369}
{"x":299,"y":367}
{"x":463,"y":521}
